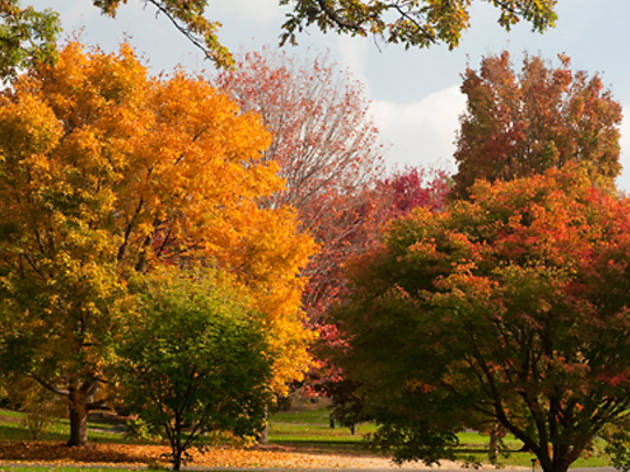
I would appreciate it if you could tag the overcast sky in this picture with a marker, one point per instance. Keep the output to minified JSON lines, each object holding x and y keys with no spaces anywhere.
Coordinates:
{"x":415,"y":93}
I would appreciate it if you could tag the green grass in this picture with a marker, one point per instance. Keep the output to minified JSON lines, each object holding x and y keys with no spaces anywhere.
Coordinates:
{"x":11,"y":414}
{"x":12,"y":428}
{"x":476,"y":440}
{"x":313,"y":426}
{"x":306,"y":429}
{"x":315,"y":416}
{"x":311,"y":429}
{"x":524,"y":459}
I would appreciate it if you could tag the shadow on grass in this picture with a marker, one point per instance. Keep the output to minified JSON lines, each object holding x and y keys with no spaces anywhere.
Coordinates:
{"x":353,"y":448}
{"x":322,"y":442}
{"x":19,"y":433}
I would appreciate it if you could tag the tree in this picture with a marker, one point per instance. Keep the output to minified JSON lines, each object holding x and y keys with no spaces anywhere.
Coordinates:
{"x":26,"y":37}
{"x":357,"y":222}
{"x":193,"y":359}
{"x":522,"y":124}
{"x":323,"y":137}
{"x":415,"y":187}
{"x":39,"y":406}
{"x":358,"y":219}
{"x":105,"y":172}
{"x":327,"y":148}
{"x":618,"y":446}
{"x":327,"y":151}
{"x":389,"y":198}
{"x":414,"y":23}
{"x":510,"y":308}
{"x":325,"y":145}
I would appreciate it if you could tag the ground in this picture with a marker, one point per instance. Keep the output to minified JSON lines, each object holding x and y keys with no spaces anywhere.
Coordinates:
{"x":300,"y":438}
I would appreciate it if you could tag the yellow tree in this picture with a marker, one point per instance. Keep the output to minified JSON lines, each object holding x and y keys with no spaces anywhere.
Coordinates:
{"x":105,"y":171}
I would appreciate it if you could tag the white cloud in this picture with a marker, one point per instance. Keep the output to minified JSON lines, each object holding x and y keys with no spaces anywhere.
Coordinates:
{"x":421,"y":132}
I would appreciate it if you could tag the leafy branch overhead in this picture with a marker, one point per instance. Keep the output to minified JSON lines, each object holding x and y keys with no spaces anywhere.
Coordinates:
{"x":413,"y":23}
{"x":27,"y":35}
{"x":188,"y":17}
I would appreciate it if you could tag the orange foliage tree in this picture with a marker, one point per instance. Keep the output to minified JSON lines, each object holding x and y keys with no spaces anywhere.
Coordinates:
{"x":105,"y":171}
{"x":520,"y":124}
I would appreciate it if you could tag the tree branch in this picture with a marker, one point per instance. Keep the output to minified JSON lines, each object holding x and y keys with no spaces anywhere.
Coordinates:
{"x":50,"y":386}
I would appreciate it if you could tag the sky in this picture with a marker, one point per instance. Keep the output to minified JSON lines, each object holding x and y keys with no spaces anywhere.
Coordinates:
{"x":414,"y":94}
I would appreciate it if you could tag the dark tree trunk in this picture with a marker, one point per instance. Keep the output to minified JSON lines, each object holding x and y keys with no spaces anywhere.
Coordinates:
{"x":176,"y":443}
{"x":556,"y":468}
{"x":77,"y":408}
{"x":550,"y":463}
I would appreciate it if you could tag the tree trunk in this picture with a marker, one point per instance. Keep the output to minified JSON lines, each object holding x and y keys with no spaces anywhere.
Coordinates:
{"x":177,"y":460}
{"x":176,"y":443}
{"x":493,"y":448}
{"x":553,"y":464}
{"x":78,"y":418}
{"x":556,"y":468}
{"x":264,"y":434}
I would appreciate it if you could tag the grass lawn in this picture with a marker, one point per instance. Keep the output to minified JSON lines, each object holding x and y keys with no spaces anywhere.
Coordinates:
{"x":12,"y":428}
{"x":478,"y":453}
{"x":306,"y":429}
{"x":310,"y":428}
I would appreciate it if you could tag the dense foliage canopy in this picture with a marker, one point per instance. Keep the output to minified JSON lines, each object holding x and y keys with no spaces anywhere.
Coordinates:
{"x":105,"y":171}
{"x":511,"y":308}
{"x":520,"y":124}
{"x":192,"y":359}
